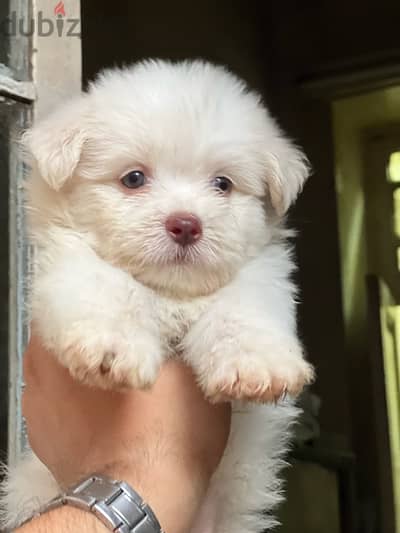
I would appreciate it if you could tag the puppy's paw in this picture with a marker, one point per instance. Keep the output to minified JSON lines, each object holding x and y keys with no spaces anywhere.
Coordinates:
{"x":112,"y":359}
{"x":253,"y":368}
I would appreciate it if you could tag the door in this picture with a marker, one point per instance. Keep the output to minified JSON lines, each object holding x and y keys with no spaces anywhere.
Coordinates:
{"x":384,"y":350}
{"x":382,"y":194}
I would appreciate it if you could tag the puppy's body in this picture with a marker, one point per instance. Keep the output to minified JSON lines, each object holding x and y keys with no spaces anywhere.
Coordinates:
{"x":119,"y":287}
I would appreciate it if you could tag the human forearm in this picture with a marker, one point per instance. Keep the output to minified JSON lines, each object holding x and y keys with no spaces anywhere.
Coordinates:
{"x":64,"y":520}
{"x":172,"y":490}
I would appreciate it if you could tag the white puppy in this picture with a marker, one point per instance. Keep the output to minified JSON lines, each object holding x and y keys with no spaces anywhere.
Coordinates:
{"x":156,"y":203}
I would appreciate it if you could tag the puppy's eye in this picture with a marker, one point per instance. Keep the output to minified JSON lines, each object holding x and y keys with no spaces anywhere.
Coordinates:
{"x":222,"y":184}
{"x":134,"y":179}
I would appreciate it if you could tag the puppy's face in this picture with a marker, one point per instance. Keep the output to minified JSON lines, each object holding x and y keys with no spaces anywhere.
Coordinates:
{"x":167,"y":168}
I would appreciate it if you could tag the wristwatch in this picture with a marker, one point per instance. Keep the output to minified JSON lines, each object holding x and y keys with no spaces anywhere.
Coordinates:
{"x":115,"y":503}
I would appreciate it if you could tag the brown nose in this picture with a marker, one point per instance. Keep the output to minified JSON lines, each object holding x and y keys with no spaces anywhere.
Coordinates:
{"x":184,"y":228}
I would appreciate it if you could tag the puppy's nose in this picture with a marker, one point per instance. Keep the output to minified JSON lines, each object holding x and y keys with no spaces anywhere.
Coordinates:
{"x":184,"y":228}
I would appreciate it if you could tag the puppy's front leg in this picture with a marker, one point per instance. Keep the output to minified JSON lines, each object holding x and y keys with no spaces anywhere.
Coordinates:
{"x":245,"y":346}
{"x":96,"y":318}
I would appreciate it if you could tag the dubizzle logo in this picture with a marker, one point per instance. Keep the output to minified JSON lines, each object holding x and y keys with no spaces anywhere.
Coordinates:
{"x":60,"y":9}
{"x":41,"y":26}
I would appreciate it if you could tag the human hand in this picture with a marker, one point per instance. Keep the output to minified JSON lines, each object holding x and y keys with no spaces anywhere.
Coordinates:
{"x":167,"y":437}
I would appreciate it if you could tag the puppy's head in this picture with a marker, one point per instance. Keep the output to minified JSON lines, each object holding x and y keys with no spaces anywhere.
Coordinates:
{"x":168,"y":168}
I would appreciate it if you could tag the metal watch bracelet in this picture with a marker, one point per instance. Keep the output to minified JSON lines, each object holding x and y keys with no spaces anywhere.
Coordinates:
{"x":115,"y":503}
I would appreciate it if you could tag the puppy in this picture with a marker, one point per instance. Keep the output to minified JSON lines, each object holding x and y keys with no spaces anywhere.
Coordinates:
{"x":156,"y":204}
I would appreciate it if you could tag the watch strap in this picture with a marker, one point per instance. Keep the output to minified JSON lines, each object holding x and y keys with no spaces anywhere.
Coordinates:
{"x":115,"y":503}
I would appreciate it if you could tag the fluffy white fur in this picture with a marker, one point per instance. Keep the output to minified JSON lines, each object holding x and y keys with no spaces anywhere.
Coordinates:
{"x":113,"y":292}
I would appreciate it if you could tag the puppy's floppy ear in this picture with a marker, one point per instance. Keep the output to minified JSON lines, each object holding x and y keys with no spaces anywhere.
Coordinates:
{"x":289,"y":168}
{"x":55,"y":144}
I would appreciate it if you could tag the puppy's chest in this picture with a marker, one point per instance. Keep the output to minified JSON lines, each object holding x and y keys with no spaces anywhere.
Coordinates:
{"x":175,"y":317}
